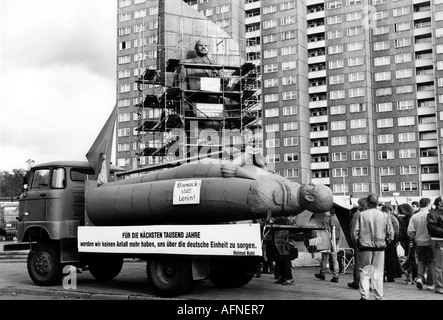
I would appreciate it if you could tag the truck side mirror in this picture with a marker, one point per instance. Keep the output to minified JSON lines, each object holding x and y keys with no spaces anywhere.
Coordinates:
{"x":25,"y":186}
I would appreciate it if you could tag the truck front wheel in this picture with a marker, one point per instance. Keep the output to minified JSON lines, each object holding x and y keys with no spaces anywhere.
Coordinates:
{"x":44,"y":265}
{"x":170,"y":276}
{"x":105,"y":268}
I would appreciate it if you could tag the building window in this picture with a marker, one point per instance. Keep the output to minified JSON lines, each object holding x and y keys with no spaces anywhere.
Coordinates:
{"x":338,"y":141}
{"x":406,"y":137}
{"x":340,"y":188}
{"x":386,"y":155}
{"x":273,"y":158}
{"x":356,"y":76}
{"x":385,"y":123}
{"x":339,"y":156}
{"x":289,"y":142}
{"x":385,"y":138}
{"x":406,"y":121}
{"x":291,"y":157}
{"x":288,"y":80}
{"x":384,"y":107}
{"x":360,"y":187}
{"x":274,"y":112}
{"x":408,"y":170}
{"x":357,"y":107}
{"x":338,"y":125}
{"x":270,"y":83}
{"x":273,"y":127}
{"x":390,"y":186}
{"x":409,"y":186}
{"x":359,"y":155}
{"x":359,"y":139}
{"x":288,"y":126}
{"x":339,"y":172}
{"x":338,"y":109}
{"x":291,"y":173}
{"x":360,"y":171}
{"x":387,"y":171}
{"x":407,"y":153}
{"x":288,"y":111}
{"x":272,"y":143}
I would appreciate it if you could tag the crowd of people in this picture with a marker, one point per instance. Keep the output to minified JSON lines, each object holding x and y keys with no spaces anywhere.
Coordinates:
{"x":389,"y":242}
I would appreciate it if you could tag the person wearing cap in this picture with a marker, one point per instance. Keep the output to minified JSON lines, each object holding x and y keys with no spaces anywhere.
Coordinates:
{"x":435,"y":229}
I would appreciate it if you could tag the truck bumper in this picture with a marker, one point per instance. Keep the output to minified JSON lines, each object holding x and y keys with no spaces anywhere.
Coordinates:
{"x":17,"y":246}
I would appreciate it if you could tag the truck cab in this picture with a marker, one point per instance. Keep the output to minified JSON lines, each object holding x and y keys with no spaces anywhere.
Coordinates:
{"x":51,"y":209}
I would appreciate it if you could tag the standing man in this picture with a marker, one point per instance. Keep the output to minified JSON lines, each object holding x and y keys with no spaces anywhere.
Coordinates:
{"x":371,"y":231}
{"x":435,"y":229}
{"x":418,"y":232}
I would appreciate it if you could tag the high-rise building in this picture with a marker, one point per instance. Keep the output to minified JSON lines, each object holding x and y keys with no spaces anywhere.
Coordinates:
{"x":351,"y":90}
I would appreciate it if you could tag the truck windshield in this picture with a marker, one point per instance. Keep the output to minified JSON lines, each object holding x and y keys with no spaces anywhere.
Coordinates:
{"x":40,"y":179}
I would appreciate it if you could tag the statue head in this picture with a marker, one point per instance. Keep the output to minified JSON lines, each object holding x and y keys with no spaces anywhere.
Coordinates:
{"x":316,"y":198}
{"x":202,"y":47}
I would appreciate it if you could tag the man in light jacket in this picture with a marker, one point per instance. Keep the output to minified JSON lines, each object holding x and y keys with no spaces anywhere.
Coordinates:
{"x":435,"y":229}
{"x":371,"y":231}
{"x":418,"y":232}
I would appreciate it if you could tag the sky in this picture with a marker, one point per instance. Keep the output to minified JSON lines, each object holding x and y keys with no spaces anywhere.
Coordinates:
{"x":57,"y":78}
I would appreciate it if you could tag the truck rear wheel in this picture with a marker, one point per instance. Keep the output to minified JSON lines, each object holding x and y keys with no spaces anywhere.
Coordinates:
{"x":170,"y":276}
{"x":44,"y":265}
{"x":105,"y":268}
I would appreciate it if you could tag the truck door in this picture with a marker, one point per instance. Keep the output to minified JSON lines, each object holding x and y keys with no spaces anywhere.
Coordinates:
{"x":34,"y":204}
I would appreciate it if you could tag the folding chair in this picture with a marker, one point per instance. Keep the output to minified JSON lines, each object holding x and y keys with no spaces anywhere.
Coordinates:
{"x":347,"y":252}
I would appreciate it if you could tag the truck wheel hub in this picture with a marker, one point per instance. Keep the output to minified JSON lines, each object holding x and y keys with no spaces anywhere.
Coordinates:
{"x":43,"y":263}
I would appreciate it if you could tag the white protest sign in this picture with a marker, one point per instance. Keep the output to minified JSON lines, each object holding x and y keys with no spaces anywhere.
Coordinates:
{"x":219,"y":240}
{"x":187,"y":192}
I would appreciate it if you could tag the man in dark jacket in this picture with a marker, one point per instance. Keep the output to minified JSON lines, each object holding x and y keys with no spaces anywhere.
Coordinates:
{"x":435,"y":229}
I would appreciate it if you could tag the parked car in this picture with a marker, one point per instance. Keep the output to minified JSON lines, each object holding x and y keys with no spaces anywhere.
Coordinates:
{"x":8,"y":220}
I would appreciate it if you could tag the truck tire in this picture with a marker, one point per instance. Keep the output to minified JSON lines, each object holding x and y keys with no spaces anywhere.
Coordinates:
{"x":170,"y":276}
{"x":105,"y":268}
{"x":44,"y":265}
{"x":229,"y":275}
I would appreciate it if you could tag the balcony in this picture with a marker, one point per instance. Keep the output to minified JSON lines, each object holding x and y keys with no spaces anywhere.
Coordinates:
{"x":319,"y":134}
{"x":423,"y":46}
{"x":427,"y":143}
{"x":428,"y":160}
{"x":317,"y":29}
{"x":430,"y":193}
{"x":422,"y":15}
{"x":316,"y":44}
{"x":315,"y":15}
{"x":424,"y":78}
{"x":425,"y":111}
{"x":324,"y":181}
{"x":318,"y":119}
{"x":422,"y":31}
{"x":312,"y":2}
{"x":319,"y":150}
{"x":423,"y":62}
{"x":317,"y":74}
{"x":320,"y":165}
{"x":427,"y":127}
{"x":252,"y":5}
{"x":250,"y":20}
{"x":318,"y":104}
{"x":430,"y":177}
{"x":317,"y":59}
{"x":253,"y":34}
{"x":317,"y":89}
{"x":422,"y":95}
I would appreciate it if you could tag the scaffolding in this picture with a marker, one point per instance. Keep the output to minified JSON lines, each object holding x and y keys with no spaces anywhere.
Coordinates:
{"x":180,"y":120}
